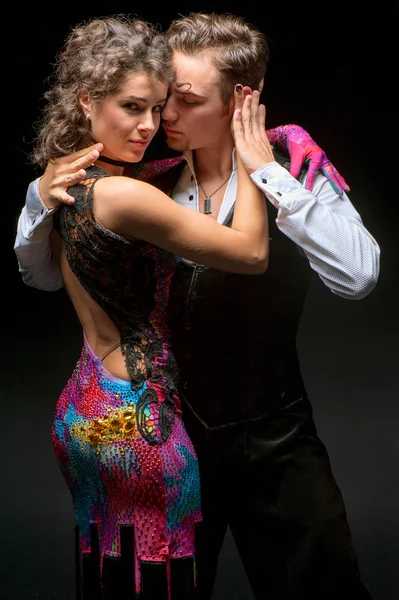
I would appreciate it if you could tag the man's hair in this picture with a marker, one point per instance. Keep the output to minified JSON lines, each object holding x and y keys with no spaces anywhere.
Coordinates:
{"x":95,"y":59}
{"x":238,"y":49}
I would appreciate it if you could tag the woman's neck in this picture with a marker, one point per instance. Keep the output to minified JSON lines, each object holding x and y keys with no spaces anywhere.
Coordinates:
{"x":113,"y":166}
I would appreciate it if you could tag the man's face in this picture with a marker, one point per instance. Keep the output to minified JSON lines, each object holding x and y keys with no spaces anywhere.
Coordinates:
{"x":194,"y":115}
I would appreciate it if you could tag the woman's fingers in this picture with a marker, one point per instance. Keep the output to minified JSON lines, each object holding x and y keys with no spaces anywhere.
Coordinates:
{"x":238,"y":96}
{"x":246,"y":115}
{"x":262,"y":120}
{"x":254,"y":113}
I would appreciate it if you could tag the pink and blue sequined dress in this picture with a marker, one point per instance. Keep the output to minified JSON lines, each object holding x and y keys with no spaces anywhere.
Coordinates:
{"x":121,"y":445}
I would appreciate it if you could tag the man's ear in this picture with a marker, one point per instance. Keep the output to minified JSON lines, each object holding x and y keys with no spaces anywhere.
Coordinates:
{"x":85,"y":103}
{"x":230,"y":106}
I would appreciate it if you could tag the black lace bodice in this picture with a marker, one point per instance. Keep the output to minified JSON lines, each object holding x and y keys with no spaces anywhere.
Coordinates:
{"x":129,"y":279}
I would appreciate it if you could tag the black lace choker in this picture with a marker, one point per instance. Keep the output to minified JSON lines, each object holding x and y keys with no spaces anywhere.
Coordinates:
{"x":117,"y":163}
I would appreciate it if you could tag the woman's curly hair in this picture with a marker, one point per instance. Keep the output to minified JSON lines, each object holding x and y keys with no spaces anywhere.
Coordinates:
{"x":96,"y":57}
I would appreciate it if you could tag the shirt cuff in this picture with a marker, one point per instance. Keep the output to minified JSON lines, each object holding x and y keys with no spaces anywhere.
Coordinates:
{"x":277,"y":184}
{"x":36,"y":211}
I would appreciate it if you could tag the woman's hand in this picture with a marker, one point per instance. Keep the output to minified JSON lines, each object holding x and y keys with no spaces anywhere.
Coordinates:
{"x":249,"y":132}
{"x":302,"y":148}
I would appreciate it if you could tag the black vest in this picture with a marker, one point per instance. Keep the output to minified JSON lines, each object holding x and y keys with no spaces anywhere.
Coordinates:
{"x":234,"y":336}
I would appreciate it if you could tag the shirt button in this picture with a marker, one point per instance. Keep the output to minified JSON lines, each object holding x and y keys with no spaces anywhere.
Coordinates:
{"x":42,"y":211}
{"x":33,"y":221}
{"x":192,"y":177}
{"x":264,"y":180}
{"x":191,"y":197}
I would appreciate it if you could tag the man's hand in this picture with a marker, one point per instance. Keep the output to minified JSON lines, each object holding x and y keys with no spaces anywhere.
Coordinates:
{"x":249,"y":130}
{"x":301,"y":147}
{"x":64,"y":172}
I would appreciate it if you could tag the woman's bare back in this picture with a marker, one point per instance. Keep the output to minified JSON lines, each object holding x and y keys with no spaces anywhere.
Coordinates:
{"x":101,"y":333}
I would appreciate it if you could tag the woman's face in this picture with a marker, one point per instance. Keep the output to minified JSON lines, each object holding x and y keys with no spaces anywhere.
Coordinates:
{"x":128,"y":120}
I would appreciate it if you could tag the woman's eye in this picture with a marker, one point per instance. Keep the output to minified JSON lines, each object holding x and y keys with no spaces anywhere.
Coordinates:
{"x":131,"y":106}
{"x":158,"y":108}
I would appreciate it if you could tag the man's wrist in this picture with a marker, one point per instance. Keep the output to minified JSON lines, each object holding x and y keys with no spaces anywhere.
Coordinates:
{"x":49,"y":205}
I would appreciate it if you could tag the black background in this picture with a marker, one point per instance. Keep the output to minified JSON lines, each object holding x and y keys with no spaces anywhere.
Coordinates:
{"x":333,"y":70}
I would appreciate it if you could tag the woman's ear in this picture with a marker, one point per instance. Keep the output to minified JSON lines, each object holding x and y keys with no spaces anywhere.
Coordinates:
{"x":86,"y":104}
{"x":260,"y":87}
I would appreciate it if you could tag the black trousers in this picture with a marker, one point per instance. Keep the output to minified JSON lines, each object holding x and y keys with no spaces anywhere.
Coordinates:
{"x":270,"y":480}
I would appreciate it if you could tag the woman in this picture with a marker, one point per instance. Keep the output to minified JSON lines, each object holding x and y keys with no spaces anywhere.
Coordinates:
{"x":117,"y":432}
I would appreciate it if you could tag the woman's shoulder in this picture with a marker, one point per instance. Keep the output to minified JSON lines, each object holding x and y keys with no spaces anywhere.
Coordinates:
{"x":121,"y":189}
{"x":116,"y":199}
{"x":84,"y":188}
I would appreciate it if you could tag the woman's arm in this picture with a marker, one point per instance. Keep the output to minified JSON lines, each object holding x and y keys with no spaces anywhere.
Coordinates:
{"x":136,"y":209}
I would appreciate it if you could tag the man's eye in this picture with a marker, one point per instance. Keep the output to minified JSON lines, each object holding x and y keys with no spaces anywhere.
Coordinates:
{"x":158,"y":108}
{"x":187,"y":102}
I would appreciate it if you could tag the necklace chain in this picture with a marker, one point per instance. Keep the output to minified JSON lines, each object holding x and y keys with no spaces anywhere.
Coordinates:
{"x":208,"y":201}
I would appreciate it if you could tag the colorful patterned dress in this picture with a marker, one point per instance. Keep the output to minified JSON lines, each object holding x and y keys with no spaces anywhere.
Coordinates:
{"x":121,"y":445}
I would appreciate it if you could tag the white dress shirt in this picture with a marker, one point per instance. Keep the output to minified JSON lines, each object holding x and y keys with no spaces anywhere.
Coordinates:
{"x":325,"y":226}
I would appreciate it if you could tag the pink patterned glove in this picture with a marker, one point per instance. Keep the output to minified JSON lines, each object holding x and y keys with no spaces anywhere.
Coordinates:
{"x":302,"y":148}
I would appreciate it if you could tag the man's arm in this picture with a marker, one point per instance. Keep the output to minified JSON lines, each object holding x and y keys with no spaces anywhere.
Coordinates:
{"x":32,"y":246}
{"x":327,"y":227}
{"x":319,"y":216}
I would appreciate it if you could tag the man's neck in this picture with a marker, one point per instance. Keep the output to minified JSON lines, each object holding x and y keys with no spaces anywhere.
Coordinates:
{"x":214,"y":161}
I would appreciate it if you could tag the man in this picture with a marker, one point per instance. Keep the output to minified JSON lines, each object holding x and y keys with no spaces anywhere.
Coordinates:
{"x":264,"y":471}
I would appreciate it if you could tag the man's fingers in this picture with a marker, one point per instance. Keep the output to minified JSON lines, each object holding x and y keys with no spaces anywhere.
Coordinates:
{"x":81,"y":158}
{"x":85,"y":160}
{"x":66,"y":199}
{"x":59,"y":189}
{"x":73,"y":178}
{"x":83,"y":152}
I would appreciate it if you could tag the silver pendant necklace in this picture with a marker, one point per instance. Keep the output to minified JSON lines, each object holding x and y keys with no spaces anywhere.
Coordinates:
{"x":208,"y":201}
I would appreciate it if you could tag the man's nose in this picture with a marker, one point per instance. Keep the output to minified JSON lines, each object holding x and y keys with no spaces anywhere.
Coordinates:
{"x":169,"y":112}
